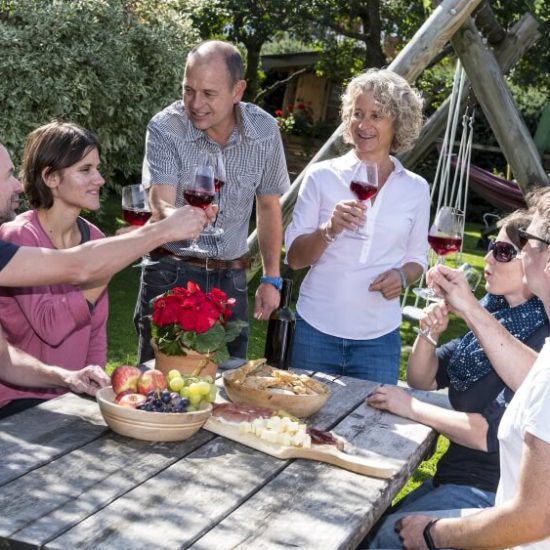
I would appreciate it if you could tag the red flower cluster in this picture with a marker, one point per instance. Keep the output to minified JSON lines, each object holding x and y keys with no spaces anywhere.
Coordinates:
{"x":192,"y":309}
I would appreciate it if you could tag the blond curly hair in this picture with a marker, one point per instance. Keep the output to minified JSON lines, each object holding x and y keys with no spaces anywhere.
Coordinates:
{"x":395,"y":98}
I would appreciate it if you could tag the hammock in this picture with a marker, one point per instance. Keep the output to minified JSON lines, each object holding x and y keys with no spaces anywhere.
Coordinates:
{"x":499,"y":192}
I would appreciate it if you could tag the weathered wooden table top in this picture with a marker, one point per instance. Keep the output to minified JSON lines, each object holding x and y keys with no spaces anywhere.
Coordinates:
{"x":67,"y":481}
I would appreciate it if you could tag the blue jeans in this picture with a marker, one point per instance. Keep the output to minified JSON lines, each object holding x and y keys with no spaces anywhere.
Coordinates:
{"x":376,"y":359}
{"x":428,"y":498}
{"x":169,"y":273}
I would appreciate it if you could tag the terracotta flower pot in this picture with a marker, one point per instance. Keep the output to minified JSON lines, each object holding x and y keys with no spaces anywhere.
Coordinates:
{"x":193,"y":363}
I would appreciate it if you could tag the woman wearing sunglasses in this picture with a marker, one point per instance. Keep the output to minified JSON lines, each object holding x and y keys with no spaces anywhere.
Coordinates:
{"x":467,"y":474}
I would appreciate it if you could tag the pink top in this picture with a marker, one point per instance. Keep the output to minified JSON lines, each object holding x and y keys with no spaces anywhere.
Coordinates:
{"x":53,"y":322}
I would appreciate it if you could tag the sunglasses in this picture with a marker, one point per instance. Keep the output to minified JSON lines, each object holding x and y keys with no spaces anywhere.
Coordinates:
{"x":527,"y":236}
{"x":503,"y":252}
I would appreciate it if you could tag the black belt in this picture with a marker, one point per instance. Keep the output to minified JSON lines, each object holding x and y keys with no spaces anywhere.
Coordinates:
{"x":208,"y":263}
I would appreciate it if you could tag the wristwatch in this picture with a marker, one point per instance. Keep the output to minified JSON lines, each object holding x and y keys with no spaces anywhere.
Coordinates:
{"x":277,"y":282}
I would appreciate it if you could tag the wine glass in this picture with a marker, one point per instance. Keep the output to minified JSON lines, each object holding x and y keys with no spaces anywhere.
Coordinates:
{"x":219,"y":182}
{"x":445,"y":237}
{"x":200,"y":193}
{"x":135,"y":206}
{"x":364,"y":184}
{"x":136,"y":211}
{"x":473,"y":277}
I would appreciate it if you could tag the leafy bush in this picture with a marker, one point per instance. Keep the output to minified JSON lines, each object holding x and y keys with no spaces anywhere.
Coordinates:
{"x":108,"y":65}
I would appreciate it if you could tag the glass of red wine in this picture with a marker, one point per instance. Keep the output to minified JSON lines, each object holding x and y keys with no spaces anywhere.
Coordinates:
{"x":445,"y":237}
{"x":135,"y":206}
{"x":364,"y":184}
{"x":136,"y":211}
{"x":219,"y":182}
{"x":200,"y":193}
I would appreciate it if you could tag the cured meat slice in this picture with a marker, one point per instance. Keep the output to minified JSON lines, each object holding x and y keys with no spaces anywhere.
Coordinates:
{"x":240,"y":413}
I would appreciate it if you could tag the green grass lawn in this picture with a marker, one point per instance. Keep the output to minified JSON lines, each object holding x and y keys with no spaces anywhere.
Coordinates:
{"x":123,"y":341}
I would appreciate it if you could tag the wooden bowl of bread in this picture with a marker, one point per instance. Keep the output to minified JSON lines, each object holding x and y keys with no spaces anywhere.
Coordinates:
{"x":256,"y":383}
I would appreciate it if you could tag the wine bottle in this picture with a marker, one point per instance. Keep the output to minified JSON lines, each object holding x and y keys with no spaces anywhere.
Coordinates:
{"x":280,"y":331}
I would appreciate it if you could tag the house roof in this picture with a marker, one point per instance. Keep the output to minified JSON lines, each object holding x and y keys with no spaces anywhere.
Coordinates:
{"x":283,"y":60}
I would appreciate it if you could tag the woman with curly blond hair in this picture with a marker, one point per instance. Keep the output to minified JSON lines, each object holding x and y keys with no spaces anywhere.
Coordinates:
{"x":360,"y":253}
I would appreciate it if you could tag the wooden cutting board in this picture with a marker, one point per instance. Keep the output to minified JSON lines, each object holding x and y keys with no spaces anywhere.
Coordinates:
{"x":369,"y":466}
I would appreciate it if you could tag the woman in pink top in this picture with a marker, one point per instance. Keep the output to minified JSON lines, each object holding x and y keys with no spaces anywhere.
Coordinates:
{"x":63,"y":325}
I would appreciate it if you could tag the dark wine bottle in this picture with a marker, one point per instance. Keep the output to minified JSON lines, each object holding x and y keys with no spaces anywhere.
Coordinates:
{"x":280,"y":331}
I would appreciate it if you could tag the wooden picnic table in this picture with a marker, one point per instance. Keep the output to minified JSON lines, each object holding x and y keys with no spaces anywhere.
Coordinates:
{"x":67,"y":481}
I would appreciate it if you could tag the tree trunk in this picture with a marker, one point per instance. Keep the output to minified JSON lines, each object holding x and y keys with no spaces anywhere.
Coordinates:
{"x":372,"y":28}
{"x":251,"y":74}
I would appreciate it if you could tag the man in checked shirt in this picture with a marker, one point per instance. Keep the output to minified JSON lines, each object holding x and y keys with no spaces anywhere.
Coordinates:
{"x":213,"y":121}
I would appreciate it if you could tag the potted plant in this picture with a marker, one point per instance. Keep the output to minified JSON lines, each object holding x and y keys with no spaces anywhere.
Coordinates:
{"x":190,"y":329}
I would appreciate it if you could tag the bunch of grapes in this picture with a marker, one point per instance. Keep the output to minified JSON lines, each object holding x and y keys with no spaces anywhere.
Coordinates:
{"x":164,"y":401}
{"x":196,"y":390}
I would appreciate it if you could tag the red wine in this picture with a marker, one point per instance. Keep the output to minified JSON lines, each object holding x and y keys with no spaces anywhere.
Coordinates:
{"x":444,"y":245}
{"x":199,"y":199}
{"x":363,"y":191}
{"x":218,"y":184}
{"x":280,"y":331}
{"x":135,"y":217}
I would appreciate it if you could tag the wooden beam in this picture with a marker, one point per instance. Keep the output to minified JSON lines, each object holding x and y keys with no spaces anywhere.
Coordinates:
{"x":498,"y":105}
{"x":409,"y":63}
{"x":520,"y":38}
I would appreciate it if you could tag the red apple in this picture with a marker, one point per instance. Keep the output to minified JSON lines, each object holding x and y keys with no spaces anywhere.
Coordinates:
{"x":151,"y":380}
{"x":120,"y":395}
{"x":125,"y":378}
{"x":131,"y":400}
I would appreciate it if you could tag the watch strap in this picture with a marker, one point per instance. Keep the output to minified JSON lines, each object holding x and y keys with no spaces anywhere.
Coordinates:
{"x":277,"y":282}
{"x":427,"y":533}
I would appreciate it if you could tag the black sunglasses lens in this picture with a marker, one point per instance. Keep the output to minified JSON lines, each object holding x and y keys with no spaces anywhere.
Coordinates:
{"x":502,"y":252}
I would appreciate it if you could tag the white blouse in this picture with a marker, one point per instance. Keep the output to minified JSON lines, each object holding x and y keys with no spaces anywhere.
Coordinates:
{"x":334,"y":296}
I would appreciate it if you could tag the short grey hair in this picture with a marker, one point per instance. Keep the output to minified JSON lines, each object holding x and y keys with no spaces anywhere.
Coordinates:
{"x":208,"y":49}
{"x":395,"y":98}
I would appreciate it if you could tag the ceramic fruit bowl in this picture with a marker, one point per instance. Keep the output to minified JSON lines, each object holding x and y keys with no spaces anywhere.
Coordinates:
{"x":263,"y":386}
{"x":149,"y":426}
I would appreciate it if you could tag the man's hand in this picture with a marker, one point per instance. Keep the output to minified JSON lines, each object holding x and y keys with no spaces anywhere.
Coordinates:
{"x":267,"y":300}
{"x":388,"y":284}
{"x":391,"y":399}
{"x":411,"y":531}
{"x":453,"y":286}
{"x":87,"y":380}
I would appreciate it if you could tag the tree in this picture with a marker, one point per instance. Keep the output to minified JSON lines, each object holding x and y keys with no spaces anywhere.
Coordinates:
{"x":246,"y":23}
{"x":108,"y":65}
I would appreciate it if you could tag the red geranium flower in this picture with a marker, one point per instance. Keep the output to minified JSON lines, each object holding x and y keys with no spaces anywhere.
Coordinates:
{"x":190,"y":318}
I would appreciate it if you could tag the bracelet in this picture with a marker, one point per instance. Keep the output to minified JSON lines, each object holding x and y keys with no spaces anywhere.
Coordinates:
{"x":404,"y":283}
{"x":428,"y":535}
{"x":325,"y":235}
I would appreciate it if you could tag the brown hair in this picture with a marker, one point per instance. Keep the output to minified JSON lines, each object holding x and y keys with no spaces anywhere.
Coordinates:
{"x":511,"y":223}
{"x":52,"y":147}
{"x":539,"y":203}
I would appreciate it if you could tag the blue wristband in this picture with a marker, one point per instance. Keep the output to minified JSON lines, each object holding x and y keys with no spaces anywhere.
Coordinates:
{"x":277,"y":282}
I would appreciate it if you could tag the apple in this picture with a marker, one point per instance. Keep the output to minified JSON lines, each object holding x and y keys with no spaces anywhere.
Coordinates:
{"x":151,"y":380}
{"x":125,"y":378}
{"x":131,"y":400}
{"x":120,"y":395}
